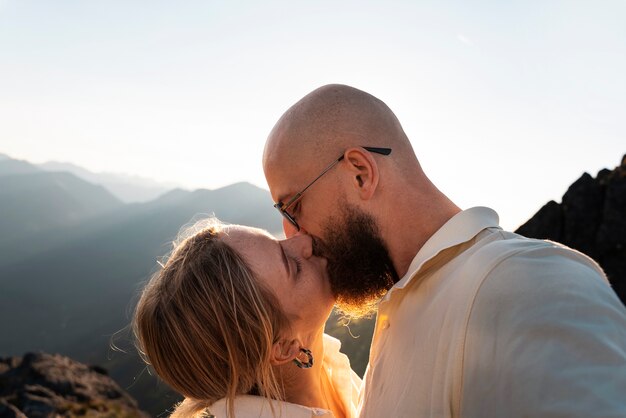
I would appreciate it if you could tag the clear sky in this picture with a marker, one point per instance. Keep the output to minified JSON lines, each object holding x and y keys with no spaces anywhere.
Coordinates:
{"x":506,"y":103}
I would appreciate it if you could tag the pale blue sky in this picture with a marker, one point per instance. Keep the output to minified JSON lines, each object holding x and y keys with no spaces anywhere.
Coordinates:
{"x":506,"y":103}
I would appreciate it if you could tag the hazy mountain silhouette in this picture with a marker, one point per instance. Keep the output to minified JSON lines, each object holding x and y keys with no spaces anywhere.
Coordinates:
{"x":34,"y":202}
{"x":9,"y":166}
{"x":127,"y":188}
{"x":70,"y":287}
{"x":109,"y":256}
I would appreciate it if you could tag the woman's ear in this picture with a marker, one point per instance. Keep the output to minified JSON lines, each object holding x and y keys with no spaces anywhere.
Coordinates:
{"x":364,"y":171}
{"x":284,"y":351}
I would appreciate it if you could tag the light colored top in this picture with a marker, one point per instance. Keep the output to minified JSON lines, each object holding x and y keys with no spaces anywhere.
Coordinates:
{"x":346,"y":384}
{"x":487,"y":323}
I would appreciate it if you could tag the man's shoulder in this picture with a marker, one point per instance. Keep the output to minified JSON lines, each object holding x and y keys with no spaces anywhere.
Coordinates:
{"x":531,"y":272}
{"x":504,"y":252}
{"x":545,"y":331}
{"x":524,"y":273}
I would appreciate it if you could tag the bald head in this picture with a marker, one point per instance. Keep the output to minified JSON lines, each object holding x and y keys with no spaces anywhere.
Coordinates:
{"x":330,"y":119}
{"x":390,"y":193}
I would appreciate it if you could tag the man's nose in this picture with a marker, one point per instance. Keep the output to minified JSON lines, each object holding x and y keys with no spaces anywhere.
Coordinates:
{"x":289,"y":228}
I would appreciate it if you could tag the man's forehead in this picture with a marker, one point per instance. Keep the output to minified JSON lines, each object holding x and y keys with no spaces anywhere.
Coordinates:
{"x":284,"y":182}
{"x":296,"y":148}
{"x":286,"y":165}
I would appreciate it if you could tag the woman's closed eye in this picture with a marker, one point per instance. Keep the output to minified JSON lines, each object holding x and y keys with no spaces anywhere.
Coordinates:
{"x":298,"y":262}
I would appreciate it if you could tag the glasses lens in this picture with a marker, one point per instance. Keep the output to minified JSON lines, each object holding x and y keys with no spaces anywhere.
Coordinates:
{"x":290,"y":219}
{"x":287,"y":216}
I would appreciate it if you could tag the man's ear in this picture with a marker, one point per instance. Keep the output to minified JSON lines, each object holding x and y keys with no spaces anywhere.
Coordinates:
{"x":364,"y":170}
{"x":284,"y":351}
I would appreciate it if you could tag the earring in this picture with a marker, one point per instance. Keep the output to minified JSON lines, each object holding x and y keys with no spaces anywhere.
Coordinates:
{"x":309,"y":362}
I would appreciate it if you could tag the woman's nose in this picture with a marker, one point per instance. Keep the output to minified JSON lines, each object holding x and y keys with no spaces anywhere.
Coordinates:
{"x":301,"y":244}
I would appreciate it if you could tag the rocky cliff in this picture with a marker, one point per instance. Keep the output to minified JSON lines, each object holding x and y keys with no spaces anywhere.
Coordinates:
{"x":592,"y":219}
{"x":52,"y":386}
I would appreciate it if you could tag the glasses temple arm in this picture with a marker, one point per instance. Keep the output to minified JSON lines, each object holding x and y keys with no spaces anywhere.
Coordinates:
{"x":298,"y":195}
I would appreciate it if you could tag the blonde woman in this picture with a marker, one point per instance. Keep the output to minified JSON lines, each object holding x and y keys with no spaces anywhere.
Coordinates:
{"x":234,"y":321}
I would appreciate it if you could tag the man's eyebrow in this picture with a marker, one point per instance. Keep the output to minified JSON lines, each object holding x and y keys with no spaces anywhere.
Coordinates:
{"x":283,"y":198}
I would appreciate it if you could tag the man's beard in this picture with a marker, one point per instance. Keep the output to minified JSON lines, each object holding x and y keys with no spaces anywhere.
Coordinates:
{"x":359,"y":266}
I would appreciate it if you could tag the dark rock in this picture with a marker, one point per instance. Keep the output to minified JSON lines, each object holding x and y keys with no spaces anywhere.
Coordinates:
{"x":9,"y":411}
{"x":40,"y":385}
{"x":100,"y":370}
{"x":551,"y":226}
{"x":582,"y":214}
{"x":591,"y":219}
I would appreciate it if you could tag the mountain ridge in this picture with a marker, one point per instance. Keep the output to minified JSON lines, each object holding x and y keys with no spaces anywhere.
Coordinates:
{"x":34,"y":202}
{"x":127,"y":188}
{"x":72,"y":288}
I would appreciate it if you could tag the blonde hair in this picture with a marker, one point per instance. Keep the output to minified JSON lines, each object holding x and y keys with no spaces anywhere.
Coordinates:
{"x":207,"y":326}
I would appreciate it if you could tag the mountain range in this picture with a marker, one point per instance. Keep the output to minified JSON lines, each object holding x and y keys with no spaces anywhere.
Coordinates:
{"x":73,"y":258}
{"x":127,"y":188}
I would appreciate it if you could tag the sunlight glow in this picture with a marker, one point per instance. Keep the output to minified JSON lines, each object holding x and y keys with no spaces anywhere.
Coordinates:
{"x":505,"y":105}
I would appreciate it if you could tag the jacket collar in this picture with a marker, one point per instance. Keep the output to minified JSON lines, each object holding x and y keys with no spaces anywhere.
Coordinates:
{"x":459,"y":229}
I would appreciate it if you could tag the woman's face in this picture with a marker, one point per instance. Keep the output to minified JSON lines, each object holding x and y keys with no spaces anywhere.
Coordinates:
{"x":289,"y":269}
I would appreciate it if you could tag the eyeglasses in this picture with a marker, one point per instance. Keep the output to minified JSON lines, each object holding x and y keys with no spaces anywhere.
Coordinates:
{"x":282,"y":207}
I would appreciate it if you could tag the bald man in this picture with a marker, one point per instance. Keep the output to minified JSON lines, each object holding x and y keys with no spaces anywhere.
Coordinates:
{"x":472,"y":321}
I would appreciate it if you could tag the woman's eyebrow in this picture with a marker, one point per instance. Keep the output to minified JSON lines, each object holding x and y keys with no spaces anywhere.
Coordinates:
{"x":282,"y":253}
